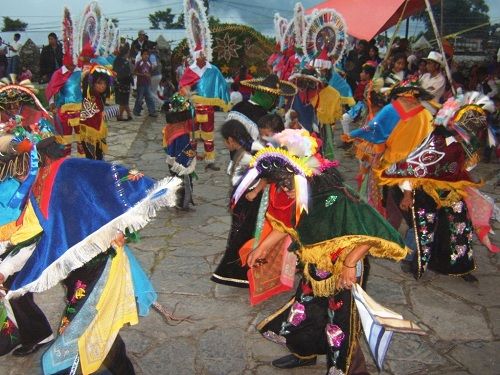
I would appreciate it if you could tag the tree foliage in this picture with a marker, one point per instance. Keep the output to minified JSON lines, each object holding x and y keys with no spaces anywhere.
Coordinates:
{"x":10,"y":24}
{"x":164,"y":19}
{"x":459,"y":15}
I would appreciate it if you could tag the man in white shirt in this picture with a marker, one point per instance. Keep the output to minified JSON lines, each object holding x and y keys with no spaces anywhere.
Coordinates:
{"x":434,"y":80}
{"x":13,"y":57}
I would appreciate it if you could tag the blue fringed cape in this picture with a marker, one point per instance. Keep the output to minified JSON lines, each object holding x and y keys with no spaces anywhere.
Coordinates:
{"x":81,"y":204}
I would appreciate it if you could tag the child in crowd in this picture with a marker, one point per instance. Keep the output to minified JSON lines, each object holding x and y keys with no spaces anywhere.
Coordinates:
{"x":292,"y":120}
{"x":235,"y":94}
{"x":93,"y":129}
{"x":25,"y":73}
{"x":397,"y":72}
{"x":143,"y":70}
{"x":268,"y":125}
{"x":230,"y":271}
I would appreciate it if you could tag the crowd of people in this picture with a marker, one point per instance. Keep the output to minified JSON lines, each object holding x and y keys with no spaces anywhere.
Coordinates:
{"x":416,"y":136}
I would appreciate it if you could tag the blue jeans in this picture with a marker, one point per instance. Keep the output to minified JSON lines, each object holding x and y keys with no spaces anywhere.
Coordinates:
{"x":13,"y":66}
{"x":144,"y":92}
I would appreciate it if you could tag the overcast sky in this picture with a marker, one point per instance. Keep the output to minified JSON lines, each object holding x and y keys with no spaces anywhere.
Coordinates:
{"x":45,"y":15}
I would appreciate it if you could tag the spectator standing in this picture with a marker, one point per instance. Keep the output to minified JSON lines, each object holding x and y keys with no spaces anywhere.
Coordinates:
{"x":355,"y":60}
{"x":25,"y":74}
{"x":235,"y":93}
{"x":3,"y":58}
{"x":143,"y":69}
{"x":139,"y":44}
{"x":123,"y":82}
{"x":434,"y":81}
{"x":243,"y":75}
{"x":50,"y":58}
{"x":14,"y":61}
{"x":154,"y":59}
{"x":179,"y":72}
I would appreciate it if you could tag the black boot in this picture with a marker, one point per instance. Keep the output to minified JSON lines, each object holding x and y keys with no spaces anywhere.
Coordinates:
{"x":292,"y":361}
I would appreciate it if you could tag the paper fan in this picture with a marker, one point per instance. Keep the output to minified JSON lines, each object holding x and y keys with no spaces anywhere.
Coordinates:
{"x":196,"y":24}
{"x":280,"y":26}
{"x":326,"y":28}
{"x":90,"y":27}
{"x":68,"y":35}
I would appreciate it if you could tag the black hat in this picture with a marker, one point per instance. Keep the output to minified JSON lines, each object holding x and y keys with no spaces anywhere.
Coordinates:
{"x":271,"y":85}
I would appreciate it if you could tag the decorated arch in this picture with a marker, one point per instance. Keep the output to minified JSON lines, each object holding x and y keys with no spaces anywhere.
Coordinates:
{"x":234,"y":45}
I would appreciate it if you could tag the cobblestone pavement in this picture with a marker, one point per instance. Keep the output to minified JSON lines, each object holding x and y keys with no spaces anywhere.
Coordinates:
{"x":181,"y":249}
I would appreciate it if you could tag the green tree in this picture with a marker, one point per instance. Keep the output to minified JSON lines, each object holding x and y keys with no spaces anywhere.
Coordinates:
{"x":459,"y":15}
{"x":10,"y":24}
{"x":162,"y":19}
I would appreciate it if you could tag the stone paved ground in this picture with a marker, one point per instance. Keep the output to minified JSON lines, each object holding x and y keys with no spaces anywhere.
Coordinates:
{"x":180,"y":250}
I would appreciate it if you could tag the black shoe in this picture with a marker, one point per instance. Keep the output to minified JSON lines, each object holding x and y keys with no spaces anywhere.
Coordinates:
{"x":291,"y":361}
{"x":212,"y":166}
{"x":10,"y":344}
{"x":470,"y":278}
{"x":28,"y":349}
{"x":153,"y":115}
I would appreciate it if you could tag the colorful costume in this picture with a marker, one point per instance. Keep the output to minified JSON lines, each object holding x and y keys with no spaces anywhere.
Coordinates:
{"x":326,"y":227}
{"x":445,"y":202}
{"x":181,"y":158}
{"x":202,"y":78}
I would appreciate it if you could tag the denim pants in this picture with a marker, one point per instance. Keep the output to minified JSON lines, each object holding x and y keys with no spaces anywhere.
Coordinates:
{"x":144,"y":92}
{"x":13,"y":66}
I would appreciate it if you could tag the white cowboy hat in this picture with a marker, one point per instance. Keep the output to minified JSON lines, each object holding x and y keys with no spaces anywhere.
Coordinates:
{"x":436,"y":57}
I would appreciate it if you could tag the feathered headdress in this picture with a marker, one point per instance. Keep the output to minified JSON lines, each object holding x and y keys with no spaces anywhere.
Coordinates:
{"x":326,"y":31}
{"x":196,"y":24}
{"x":295,"y":30}
{"x":465,"y":113}
{"x":295,"y":154}
{"x":280,"y":26}
{"x":91,"y":25}
{"x":68,"y":39}
{"x":11,"y":91}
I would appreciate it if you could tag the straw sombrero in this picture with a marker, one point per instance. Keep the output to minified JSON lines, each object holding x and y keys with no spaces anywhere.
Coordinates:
{"x":271,"y":85}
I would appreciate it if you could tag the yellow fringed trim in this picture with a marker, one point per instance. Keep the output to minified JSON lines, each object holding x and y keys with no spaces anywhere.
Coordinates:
{"x":209,"y":156}
{"x":206,"y":136}
{"x":71,"y":107}
{"x":347,"y":101}
{"x":457,"y":189}
{"x":279,"y":226}
{"x":7,"y":230}
{"x":74,"y":122}
{"x":90,"y":134}
{"x":319,"y":255}
{"x":212,"y":101}
{"x":65,"y":139}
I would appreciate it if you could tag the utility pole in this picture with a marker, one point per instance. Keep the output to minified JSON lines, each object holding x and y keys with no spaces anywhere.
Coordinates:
{"x":441,"y":29}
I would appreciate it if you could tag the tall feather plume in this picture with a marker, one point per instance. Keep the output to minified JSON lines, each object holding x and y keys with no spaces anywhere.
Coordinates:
{"x":67,"y":33}
{"x":299,"y":24}
{"x":195,"y":11}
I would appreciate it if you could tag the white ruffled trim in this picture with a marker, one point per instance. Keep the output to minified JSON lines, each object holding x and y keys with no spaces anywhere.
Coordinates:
{"x":179,"y":168}
{"x":135,"y":218}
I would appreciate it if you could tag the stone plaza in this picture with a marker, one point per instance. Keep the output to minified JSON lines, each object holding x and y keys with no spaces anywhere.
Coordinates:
{"x":180,"y":250}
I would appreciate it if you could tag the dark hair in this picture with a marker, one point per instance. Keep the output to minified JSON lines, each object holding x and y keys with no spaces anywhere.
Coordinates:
{"x":328,"y":179}
{"x":144,"y":50}
{"x":375,"y":48}
{"x":123,"y":50}
{"x":271,"y":121}
{"x":17,"y":35}
{"x":90,"y":79}
{"x":53,"y":35}
{"x":237,"y":131}
{"x":235,"y":86}
{"x":398,"y":56}
{"x":368,"y":69}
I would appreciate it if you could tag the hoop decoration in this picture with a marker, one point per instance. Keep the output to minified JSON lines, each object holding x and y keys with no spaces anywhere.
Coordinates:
{"x":326,"y":30}
{"x":196,"y":24}
{"x":90,"y":27}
